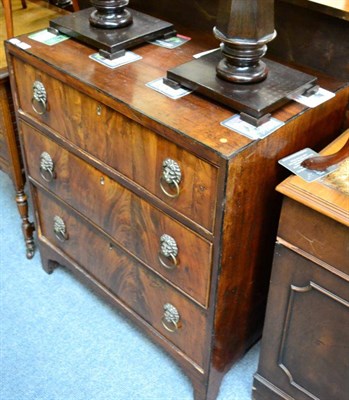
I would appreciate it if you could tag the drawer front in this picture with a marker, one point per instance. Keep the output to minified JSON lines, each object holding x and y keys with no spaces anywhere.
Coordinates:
{"x":172,"y":250}
{"x":315,"y":233}
{"x":128,"y":147}
{"x":135,"y":286}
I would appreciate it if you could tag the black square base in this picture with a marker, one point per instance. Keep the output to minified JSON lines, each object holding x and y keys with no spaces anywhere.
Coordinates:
{"x":111,"y":42}
{"x":254,"y":100}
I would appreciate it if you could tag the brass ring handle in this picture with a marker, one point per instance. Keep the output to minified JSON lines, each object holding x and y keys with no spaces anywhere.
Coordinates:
{"x":171,"y":318}
{"x":168,"y":266}
{"x":59,"y":229}
{"x":42,"y":104}
{"x":168,"y":249}
{"x":62,"y":237}
{"x":47,"y":175}
{"x":39,"y":98}
{"x":172,"y":195}
{"x":47,"y":172}
{"x":167,"y":327}
{"x":172,"y":175}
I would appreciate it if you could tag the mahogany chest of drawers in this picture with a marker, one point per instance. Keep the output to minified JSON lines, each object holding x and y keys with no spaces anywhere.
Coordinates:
{"x":166,"y":213}
{"x":305,"y":353}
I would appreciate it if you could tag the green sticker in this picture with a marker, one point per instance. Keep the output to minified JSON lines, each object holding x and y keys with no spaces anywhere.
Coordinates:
{"x":47,"y":37}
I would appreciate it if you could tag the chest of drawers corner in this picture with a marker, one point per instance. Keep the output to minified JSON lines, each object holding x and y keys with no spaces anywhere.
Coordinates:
{"x":167,"y":214}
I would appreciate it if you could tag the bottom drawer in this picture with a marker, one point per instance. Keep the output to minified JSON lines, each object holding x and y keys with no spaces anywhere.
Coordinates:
{"x":170,"y":313}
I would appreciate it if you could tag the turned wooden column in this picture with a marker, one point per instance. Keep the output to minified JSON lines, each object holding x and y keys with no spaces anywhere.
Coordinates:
{"x":14,"y":160}
{"x":244,"y":27}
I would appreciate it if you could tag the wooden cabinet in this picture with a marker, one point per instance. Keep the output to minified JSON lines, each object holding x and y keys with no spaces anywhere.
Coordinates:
{"x":305,"y":340}
{"x":166,"y":213}
{"x":6,"y":122}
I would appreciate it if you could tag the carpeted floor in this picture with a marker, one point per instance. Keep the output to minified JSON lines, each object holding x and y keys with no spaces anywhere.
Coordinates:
{"x":60,"y":342}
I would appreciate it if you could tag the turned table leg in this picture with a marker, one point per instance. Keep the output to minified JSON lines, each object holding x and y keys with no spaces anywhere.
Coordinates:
{"x":14,"y":160}
{"x":27,"y":226}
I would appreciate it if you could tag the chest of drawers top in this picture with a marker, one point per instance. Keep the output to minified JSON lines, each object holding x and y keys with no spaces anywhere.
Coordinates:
{"x":192,"y":121}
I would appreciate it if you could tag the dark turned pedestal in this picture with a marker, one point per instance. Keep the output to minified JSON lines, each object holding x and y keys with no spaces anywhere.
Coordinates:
{"x":112,"y":43}
{"x":255,"y":101}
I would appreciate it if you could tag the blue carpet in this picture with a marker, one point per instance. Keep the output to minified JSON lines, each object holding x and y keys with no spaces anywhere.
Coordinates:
{"x":61,"y":342}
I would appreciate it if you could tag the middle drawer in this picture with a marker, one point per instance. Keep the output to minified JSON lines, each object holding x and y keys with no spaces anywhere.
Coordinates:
{"x":169,"y":248}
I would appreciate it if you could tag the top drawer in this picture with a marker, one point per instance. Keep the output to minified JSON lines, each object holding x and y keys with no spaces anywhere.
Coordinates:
{"x":315,"y":233}
{"x":177,"y":177}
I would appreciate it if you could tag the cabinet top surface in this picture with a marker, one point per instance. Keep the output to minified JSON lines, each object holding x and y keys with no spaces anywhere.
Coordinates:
{"x":125,"y":90}
{"x":328,"y":195}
